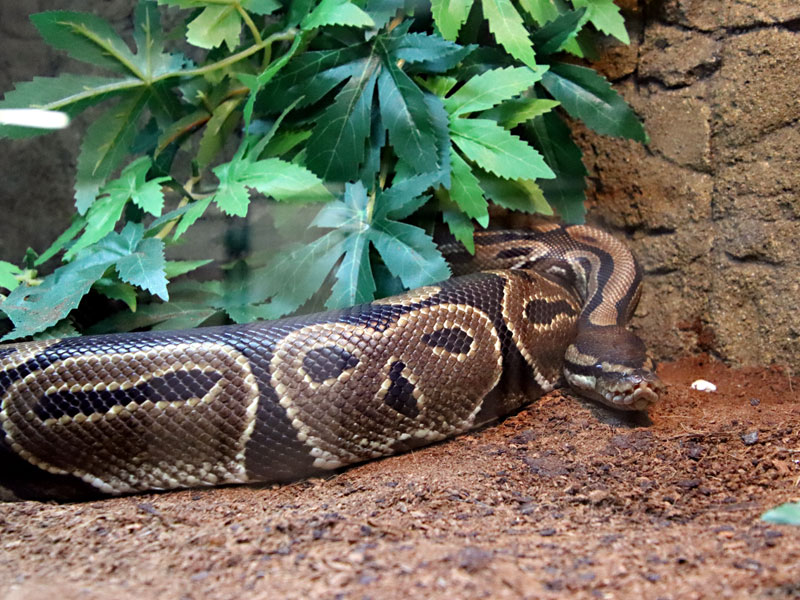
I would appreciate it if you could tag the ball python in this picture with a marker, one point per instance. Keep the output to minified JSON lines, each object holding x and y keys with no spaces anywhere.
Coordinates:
{"x":283,"y":400}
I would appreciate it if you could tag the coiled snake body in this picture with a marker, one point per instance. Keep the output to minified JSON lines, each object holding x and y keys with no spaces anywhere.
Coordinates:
{"x":277,"y":401}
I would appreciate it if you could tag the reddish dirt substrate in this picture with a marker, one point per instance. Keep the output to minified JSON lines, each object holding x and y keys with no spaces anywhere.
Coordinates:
{"x":562,"y":500}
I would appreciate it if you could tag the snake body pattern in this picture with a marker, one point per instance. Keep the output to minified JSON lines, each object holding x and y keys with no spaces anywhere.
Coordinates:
{"x":282,"y":400}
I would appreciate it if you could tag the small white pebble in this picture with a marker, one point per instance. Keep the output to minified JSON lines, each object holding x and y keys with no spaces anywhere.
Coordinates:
{"x":703,"y":386}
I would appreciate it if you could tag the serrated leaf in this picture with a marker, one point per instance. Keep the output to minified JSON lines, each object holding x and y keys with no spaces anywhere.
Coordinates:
{"x":117,"y":290}
{"x":171,"y":315}
{"x":785,"y":514}
{"x":294,"y":276}
{"x":551,"y":37}
{"x":450,"y":15}
{"x":565,"y":193}
{"x":336,"y":146}
{"x":409,"y":253}
{"x":498,"y":151}
{"x":65,"y":238}
{"x":176,"y":268}
{"x":404,"y":197}
{"x":131,"y":184}
{"x":106,"y":143}
{"x":354,"y":281}
{"x":8,"y":273}
{"x":542,"y":11}
{"x":523,"y":195}
{"x":509,"y":30}
{"x":588,"y":96}
{"x":336,"y":12}
{"x":144,"y":267}
{"x":491,"y":88}
{"x":34,"y":309}
{"x":100,"y":221}
{"x":150,"y":59}
{"x":195,"y":211}
{"x":465,"y":191}
{"x":605,"y":16}
{"x":69,"y":93}
{"x":222,"y":122}
{"x":461,"y":226}
{"x":513,"y":112}
{"x":429,"y":53}
{"x":86,"y":37}
{"x":261,"y":7}
{"x":406,"y":117}
{"x":381,"y":11}
{"x":63,"y":329}
{"x":273,"y":177}
{"x":217,"y":23}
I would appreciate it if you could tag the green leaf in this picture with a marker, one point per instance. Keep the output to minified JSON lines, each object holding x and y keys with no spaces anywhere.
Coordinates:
{"x":428,"y":53}
{"x":461,"y":226}
{"x":223,"y":121}
{"x":605,"y":16}
{"x":172,"y":315}
{"x":273,"y":177}
{"x":405,"y":115}
{"x":785,"y":514}
{"x":513,"y":112}
{"x":523,"y":195}
{"x":8,"y":275}
{"x":63,"y":329}
{"x":217,"y":23}
{"x":117,"y":290}
{"x":465,"y":191}
{"x":336,"y":146}
{"x":65,"y":238}
{"x":450,"y":15}
{"x":354,"y":281}
{"x":34,"y":309}
{"x":87,"y":38}
{"x":336,"y":12}
{"x":106,"y":143}
{"x":491,"y":88}
{"x":144,"y":267}
{"x":498,"y":151}
{"x":69,"y":93}
{"x":509,"y":30}
{"x":100,"y":221}
{"x":196,"y":210}
{"x":588,"y":96}
{"x":176,"y":268}
{"x":151,"y":60}
{"x":551,"y":38}
{"x":542,"y":11}
{"x":410,"y":253}
{"x":131,"y":184}
{"x":565,"y":193}
{"x":294,"y":276}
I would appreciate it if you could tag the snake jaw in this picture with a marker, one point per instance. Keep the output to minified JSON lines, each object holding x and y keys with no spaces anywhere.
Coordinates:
{"x":635,"y":391}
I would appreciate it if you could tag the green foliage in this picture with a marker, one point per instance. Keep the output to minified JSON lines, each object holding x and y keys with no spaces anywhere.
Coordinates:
{"x":785,"y":514}
{"x":369,"y":121}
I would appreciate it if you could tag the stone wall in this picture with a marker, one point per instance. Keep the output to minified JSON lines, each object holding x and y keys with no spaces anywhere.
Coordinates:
{"x":710,"y":205}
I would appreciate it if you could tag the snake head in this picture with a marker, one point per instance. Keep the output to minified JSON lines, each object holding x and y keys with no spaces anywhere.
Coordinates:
{"x":610,"y":365}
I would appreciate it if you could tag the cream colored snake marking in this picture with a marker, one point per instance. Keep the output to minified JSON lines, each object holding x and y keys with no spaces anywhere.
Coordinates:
{"x":278,"y":401}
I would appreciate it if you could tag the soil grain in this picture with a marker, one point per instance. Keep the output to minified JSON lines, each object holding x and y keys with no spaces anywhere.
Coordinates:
{"x":562,"y":500}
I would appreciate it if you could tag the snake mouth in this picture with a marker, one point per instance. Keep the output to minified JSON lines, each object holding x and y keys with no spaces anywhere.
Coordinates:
{"x":634,"y":396}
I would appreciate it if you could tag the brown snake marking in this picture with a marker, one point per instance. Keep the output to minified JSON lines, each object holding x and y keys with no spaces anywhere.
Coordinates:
{"x":276,"y":401}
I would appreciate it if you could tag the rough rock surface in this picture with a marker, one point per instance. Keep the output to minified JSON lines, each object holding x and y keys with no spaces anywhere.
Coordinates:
{"x":710,"y":204}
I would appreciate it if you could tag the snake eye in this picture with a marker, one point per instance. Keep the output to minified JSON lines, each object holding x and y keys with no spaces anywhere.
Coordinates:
{"x":598,"y":366}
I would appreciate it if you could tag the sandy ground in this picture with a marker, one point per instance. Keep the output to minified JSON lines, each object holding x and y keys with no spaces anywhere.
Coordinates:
{"x":563,"y":500}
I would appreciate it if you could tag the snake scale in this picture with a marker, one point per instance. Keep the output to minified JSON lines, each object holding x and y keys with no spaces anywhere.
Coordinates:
{"x":282,"y":400}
